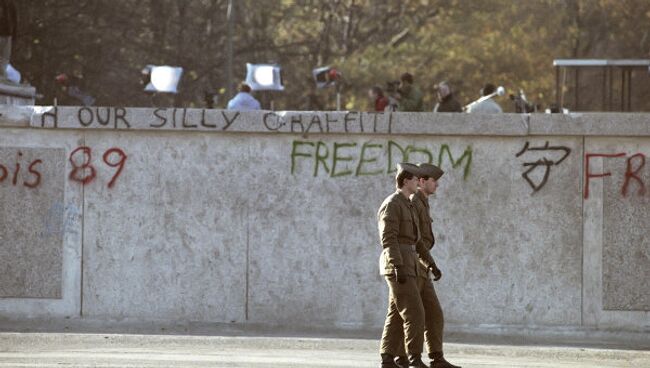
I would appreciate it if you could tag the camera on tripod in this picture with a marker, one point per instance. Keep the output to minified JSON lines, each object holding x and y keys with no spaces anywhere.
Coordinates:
{"x":522,"y":105}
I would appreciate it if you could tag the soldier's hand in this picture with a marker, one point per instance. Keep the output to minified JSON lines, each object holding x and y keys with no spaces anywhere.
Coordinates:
{"x":399,"y":276}
{"x":435,"y":271}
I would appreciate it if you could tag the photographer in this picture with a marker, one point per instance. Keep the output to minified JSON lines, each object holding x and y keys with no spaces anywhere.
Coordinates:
{"x":521,"y":103}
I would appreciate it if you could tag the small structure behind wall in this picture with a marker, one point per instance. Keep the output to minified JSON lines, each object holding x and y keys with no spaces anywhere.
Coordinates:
{"x":624,"y":67}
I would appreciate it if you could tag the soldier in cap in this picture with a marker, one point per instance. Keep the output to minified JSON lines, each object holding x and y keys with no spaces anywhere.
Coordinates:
{"x":433,"y":319}
{"x":399,"y":235}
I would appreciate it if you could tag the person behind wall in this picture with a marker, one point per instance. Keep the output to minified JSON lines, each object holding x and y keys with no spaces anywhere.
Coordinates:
{"x":410,"y":96}
{"x":446,"y":100}
{"x":377,"y":98}
{"x":392,"y":94}
{"x":244,"y":100}
{"x":8,"y":30}
{"x":488,"y":106}
{"x":70,"y":93}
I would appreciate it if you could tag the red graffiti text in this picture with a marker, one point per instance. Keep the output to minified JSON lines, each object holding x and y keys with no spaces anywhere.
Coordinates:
{"x":84,"y":172}
{"x":633,"y":166}
{"x":30,"y":180}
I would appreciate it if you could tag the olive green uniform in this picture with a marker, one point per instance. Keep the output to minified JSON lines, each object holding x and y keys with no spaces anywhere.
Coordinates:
{"x":399,"y":234}
{"x":433,"y":319}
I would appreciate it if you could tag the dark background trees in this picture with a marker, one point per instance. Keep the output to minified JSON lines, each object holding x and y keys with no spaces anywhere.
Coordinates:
{"x":104,"y":44}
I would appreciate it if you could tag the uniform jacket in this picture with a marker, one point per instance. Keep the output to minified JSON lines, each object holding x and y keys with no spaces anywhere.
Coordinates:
{"x":422,"y":210}
{"x":411,"y":99}
{"x":399,"y":236}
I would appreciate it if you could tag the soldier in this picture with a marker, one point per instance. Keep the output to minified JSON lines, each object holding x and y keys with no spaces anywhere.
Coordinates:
{"x":433,"y":319}
{"x":398,"y":232}
{"x":428,"y":183}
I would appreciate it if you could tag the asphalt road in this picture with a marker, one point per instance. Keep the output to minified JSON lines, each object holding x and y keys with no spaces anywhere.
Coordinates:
{"x":126,"y":351}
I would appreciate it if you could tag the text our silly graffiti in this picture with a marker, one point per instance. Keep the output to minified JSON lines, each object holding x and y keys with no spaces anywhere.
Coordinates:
{"x":120,"y":118}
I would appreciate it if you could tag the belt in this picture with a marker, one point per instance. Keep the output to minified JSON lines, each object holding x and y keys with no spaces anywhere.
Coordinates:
{"x":410,"y":246}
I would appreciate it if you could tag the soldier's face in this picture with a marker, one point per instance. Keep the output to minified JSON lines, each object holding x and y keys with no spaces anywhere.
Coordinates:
{"x":429,"y":186}
{"x":411,"y":184}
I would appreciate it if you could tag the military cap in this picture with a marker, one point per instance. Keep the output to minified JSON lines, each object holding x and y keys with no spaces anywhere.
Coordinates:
{"x":431,"y":171}
{"x":411,"y":168}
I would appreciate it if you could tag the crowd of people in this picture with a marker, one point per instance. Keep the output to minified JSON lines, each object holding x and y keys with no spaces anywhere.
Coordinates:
{"x":407,"y":96}
{"x":404,"y":95}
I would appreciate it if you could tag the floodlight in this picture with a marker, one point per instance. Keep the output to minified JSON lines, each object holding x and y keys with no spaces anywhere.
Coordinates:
{"x":326,"y":76}
{"x":264,"y":77}
{"x":162,"y":79}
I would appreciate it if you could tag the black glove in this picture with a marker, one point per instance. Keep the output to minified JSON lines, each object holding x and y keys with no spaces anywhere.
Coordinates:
{"x":435,"y":271}
{"x":400,"y":277}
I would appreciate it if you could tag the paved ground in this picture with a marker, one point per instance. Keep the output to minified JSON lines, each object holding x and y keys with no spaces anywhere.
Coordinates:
{"x":126,"y":351}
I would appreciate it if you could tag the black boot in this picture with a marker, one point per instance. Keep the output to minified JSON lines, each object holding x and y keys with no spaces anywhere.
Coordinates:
{"x":402,"y":361}
{"x":388,"y":361}
{"x":438,"y":361}
{"x":415,"y":361}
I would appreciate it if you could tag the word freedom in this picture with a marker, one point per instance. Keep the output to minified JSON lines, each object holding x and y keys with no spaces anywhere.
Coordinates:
{"x":339,"y":159}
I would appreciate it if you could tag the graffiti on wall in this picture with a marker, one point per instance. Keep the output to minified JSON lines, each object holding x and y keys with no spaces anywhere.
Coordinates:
{"x":631,"y":174}
{"x":86,"y":117}
{"x":349,"y":122}
{"x":544,"y":157}
{"x":217,"y":120}
{"x":20,"y":173}
{"x":338,"y":159}
{"x":548,"y":156}
{"x":346,"y":158}
{"x":82,"y":171}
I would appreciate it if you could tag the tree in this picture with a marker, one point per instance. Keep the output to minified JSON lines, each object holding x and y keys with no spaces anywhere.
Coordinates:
{"x":104,"y":44}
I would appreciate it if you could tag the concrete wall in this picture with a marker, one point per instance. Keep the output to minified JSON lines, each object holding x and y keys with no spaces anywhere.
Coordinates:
{"x":262,"y":217}
{"x":22,"y":95}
